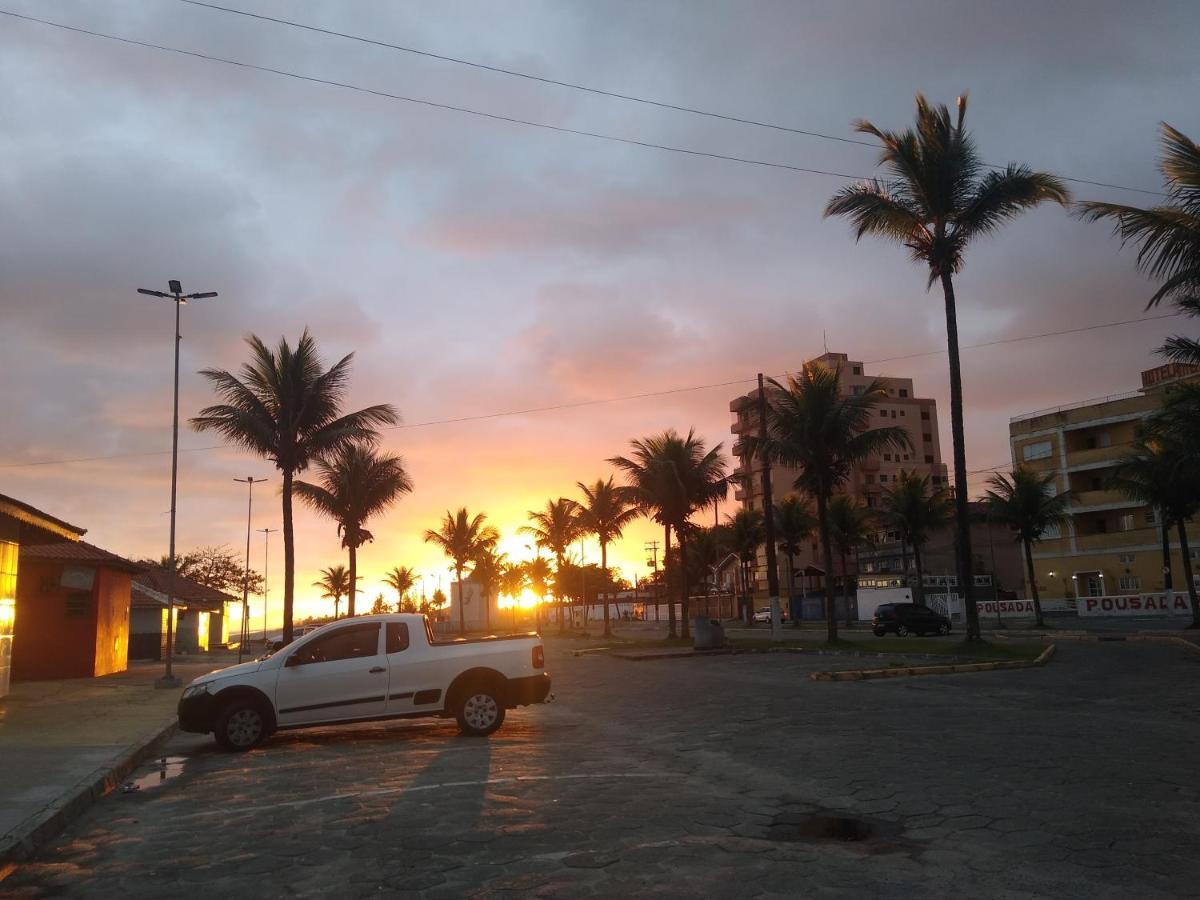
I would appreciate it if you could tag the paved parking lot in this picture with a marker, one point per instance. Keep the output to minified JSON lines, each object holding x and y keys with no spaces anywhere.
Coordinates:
{"x":716,"y":777}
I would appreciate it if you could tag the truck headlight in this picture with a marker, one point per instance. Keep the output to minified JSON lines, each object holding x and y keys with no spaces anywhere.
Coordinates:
{"x":193,"y":690}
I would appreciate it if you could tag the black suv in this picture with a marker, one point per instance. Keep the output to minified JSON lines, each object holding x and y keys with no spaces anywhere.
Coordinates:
{"x":908,"y":618}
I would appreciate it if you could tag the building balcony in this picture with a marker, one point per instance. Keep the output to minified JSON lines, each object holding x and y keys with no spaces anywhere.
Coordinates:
{"x":1084,"y":500}
{"x":1094,"y":458}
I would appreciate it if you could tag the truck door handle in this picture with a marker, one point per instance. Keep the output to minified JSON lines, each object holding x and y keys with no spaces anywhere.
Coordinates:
{"x":377,"y":669}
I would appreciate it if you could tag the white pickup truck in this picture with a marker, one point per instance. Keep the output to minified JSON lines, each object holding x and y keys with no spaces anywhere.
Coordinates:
{"x":368,"y":668}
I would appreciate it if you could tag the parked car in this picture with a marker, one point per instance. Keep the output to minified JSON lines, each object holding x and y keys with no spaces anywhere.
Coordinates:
{"x":763,"y":614}
{"x":368,"y":668}
{"x":903,"y":619}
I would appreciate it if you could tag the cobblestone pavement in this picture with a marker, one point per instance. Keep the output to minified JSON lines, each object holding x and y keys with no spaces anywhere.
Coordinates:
{"x":692,"y":777}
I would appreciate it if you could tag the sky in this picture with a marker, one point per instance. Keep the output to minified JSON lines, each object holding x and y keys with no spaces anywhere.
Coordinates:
{"x":477,"y":267}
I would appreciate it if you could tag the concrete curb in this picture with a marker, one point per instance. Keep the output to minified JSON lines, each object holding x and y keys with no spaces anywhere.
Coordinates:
{"x":1117,"y":637}
{"x":956,"y":669}
{"x":40,"y":828}
{"x":682,"y":653}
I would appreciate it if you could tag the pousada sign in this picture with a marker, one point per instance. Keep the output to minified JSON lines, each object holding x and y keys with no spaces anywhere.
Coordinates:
{"x":1135,"y":605}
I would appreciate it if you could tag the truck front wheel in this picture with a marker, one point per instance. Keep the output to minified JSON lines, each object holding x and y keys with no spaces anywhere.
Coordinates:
{"x":480,"y":711}
{"x":240,"y":725}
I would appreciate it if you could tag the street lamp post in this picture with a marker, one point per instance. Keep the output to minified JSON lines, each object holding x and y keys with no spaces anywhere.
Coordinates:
{"x":249,"y":481}
{"x":266,"y":533}
{"x":178,"y":297}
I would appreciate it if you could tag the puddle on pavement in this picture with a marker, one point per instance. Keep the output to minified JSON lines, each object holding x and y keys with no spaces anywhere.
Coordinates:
{"x":164,"y":769}
{"x":822,"y":828}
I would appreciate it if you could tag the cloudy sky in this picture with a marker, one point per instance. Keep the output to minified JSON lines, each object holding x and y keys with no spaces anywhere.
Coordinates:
{"x":477,"y":267}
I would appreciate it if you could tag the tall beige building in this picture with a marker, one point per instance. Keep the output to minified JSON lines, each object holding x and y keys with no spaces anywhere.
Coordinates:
{"x":902,"y":407}
{"x":1113,"y":545}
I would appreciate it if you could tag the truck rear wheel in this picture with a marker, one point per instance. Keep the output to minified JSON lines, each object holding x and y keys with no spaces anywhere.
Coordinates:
{"x":240,"y":725}
{"x":480,"y":711}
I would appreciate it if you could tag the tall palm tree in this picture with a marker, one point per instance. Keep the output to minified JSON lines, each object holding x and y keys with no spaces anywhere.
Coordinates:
{"x":555,"y":528}
{"x":487,"y":571}
{"x":747,"y":531}
{"x":936,"y":200}
{"x":794,"y":524}
{"x":1167,"y":236}
{"x":285,"y":406}
{"x":1027,"y":503}
{"x":815,"y":428}
{"x":605,"y":511}
{"x":672,"y":477}
{"x":514,"y":578}
{"x":400,"y":579}
{"x":537,"y":572}
{"x":1163,"y":474}
{"x":335,"y":582}
{"x":849,"y":528}
{"x":357,"y":482}
{"x":462,"y":537}
{"x":915,"y":509}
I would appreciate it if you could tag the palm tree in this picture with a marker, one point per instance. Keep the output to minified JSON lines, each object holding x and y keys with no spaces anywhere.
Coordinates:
{"x":671,"y":477}
{"x":1167,"y":236}
{"x":400,"y":579}
{"x":1026,"y":501}
{"x":605,"y":511}
{"x":356,"y":483}
{"x":514,"y":578}
{"x":335,"y":582}
{"x":849,"y":528}
{"x":285,"y":406}
{"x":915,"y":509}
{"x":794,"y":524}
{"x":1162,"y":474}
{"x":813,"y":427}
{"x":747,"y":531}
{"x":937,"y":200}
{"x":487,"y":572}
{"x":537,"y":572}
{"x":462,"y":537}
{"x":555,"y":528}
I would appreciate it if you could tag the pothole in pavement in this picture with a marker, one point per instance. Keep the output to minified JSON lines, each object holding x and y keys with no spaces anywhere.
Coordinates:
{"x":816,"y":827}
{"x":164,"y":769}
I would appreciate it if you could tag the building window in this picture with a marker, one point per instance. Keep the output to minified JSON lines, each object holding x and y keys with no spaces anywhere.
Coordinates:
{"x":1130,"y":583}
{"x":883,"y":413}
{"x":924,"y":415}
{"x":902,"y":412}
{"x":1101,"y":526}
{"x":903,"y":392}
{"x":883,"y":479}
{"x":887,"y":457}
{"x":1038,"y":450}
{"x":928,"y":438}
{"x":928,"y":458}
{"x":906,"y":456}
{"x":1151,"y":518}
{"x":871,"y":501}
{"x":1125,"y":557}
{"x":870,"y":478}
{"x":1125,"y":522}
{"x":857,"y":390}
{"x":857,"y":370}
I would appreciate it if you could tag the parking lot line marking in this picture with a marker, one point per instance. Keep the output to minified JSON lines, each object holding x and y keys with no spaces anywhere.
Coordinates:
{"x":413,"y":789}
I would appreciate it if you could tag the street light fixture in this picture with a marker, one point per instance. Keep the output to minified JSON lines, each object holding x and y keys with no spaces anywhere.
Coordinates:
{"x":249,"y":481}
{"x":176,"y":295}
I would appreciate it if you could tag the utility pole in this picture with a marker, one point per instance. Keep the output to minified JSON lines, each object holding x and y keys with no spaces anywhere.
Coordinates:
{"x":769,"y":515}
{"x":176,"y":295}
{"x":266,"y":533}
{"x":249,"y":481}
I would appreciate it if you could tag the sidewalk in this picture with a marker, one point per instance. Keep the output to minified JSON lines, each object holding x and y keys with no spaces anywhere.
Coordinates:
{"x":66,"y":742}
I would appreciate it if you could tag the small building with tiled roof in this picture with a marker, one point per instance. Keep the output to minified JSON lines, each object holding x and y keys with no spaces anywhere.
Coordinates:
{"x":72,"y":607}
{"x":199,"y":614}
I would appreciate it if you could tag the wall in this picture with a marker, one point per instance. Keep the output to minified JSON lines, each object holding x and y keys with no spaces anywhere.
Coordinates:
{"x":48,"y":643}
{"x":148,"y":632}
{"x":112,"y":622}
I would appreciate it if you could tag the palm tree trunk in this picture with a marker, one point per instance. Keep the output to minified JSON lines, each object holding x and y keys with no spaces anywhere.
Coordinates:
{"x":462,"y":607}
{"x":919,"y":586}
{"x":1033,"y":588}
{"x":353,"y":581}
{"x":831,"y":625}
{"x":289,"y":558}
{"x":845,"y":589}
{"x":792,"y":586}
{"x":1188,"y":576}
{"x":1168,"y":580}
{"x":683,"y":586}
{"x":562,"y":622}
{"x":487,"y":611}
{"x":670,"y":602}
{"x":604,"y":583}
{"x":962,"y":524}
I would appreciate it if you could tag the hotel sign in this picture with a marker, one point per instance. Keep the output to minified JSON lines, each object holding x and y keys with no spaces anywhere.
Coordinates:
{"x":1135,"y":605}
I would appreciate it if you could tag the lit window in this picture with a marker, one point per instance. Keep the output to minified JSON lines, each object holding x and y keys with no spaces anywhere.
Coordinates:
{"x":1125,"y":522}
{"x":1130,"y":582}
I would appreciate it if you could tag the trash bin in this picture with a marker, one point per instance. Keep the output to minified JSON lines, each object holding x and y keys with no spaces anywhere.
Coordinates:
{"x":707,"y":634}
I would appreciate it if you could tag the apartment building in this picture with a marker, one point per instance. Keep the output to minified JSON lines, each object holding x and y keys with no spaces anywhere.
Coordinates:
{"x":1112,"y":547}
{"x":902,"y":407}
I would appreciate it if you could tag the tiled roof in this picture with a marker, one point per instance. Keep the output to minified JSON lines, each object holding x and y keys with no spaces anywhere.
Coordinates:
{"x":77,"y":552}
{"x":47,"y":526}
{"x":157,"y":580}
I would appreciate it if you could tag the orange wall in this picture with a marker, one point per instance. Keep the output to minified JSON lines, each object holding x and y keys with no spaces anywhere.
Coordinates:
{"x":47,"y":643}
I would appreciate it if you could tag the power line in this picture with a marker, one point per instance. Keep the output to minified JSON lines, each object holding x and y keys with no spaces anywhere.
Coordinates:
{"x":387,"y":95}
{"x":633,"y":98}
{"x":576,"y":404}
